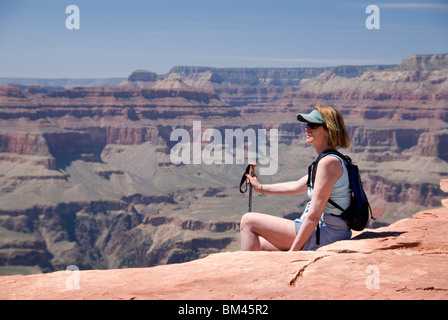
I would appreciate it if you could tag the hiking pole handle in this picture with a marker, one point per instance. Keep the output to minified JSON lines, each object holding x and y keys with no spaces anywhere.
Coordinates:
{"x":251,"y":173}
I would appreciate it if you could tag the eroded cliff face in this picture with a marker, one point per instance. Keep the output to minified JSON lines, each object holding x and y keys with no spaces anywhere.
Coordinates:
{"x":86,"y":175}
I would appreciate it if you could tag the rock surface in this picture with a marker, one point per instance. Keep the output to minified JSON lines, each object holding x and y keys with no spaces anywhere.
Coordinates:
{"x":406,"y":260}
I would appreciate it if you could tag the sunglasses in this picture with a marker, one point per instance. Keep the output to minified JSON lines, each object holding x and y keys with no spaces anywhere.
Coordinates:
{"x":314,"y":126}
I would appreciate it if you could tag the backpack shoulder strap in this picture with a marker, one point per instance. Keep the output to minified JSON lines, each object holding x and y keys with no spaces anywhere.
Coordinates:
{"x":313,"y":167}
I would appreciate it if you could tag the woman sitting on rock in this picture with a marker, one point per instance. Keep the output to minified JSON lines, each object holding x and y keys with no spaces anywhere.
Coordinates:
{"x":325,"y":130}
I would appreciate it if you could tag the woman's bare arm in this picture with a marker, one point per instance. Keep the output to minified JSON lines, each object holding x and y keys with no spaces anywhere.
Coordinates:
{"x":282,"y":188}
{"x":328,"y":171}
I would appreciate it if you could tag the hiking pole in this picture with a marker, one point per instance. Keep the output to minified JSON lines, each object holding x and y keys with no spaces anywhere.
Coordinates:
{"x":250,"y":170}
{"x":251,"y":173}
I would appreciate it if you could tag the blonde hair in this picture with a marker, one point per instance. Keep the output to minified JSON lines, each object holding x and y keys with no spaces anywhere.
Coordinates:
{"x":334,"y":122}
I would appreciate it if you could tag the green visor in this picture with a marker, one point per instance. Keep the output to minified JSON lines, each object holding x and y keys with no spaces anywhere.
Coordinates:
{"x":313,"y":117}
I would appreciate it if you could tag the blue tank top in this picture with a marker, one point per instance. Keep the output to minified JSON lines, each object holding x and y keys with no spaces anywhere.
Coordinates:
{"x":341,"y":193}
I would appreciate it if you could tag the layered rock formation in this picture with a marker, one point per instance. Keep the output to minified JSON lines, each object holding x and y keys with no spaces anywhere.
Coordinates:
{"x":86,"y":176}
{"x":406,"y":260}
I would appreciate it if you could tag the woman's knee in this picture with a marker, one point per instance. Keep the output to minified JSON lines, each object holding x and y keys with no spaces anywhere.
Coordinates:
{"x":247,"y":220}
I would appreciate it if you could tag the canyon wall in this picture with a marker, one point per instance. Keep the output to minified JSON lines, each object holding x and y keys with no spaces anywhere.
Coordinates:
{"x":86,"y":175}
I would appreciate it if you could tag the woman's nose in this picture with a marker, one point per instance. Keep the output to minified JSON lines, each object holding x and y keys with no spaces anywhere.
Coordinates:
{"x":307,"y":129}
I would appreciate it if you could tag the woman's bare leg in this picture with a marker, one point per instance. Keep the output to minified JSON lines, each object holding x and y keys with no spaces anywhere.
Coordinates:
{"x":266,"y":232}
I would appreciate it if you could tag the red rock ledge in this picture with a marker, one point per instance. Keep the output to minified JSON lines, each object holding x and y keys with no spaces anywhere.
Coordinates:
{"x":406,"y":260}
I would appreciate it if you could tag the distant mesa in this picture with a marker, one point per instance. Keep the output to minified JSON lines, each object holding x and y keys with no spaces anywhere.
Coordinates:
{"x":143,"y":75}
{"x":11,"y":92}
{"x":425,"y":62}
{"x":173,"y":81}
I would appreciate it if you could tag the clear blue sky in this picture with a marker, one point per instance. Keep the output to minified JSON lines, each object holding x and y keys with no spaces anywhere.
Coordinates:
{"x":118,"y":37}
